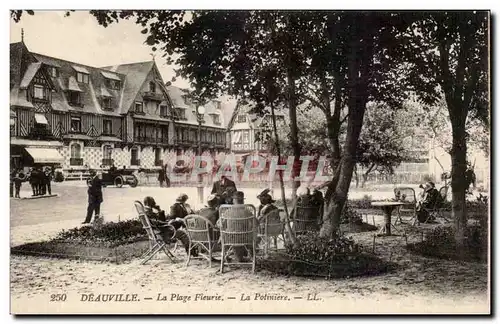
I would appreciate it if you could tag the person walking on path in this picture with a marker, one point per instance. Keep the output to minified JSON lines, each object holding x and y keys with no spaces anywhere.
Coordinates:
{"x":95,"y":196}
{"x":167,"y":169}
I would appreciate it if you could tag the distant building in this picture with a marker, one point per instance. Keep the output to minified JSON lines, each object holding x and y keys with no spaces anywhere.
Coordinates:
{"x":77,"y":116}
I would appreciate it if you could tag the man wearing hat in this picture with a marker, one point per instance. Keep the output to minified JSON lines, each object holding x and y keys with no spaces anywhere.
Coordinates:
{"x":224,"y":189}
{"x":180,"y":208}
{"x":95,"y":195}
{"x":266,"y":204}
{"x":212,"y":214}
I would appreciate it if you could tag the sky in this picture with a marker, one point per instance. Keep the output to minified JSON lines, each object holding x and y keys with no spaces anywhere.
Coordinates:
{"x":79,"y":38}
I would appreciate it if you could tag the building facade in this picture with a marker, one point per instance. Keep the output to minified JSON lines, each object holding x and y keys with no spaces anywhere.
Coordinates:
{"x":79,"y":117}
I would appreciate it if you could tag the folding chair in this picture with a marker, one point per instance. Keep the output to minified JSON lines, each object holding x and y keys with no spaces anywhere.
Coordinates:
{"x":238,"y":229}
{"x":203,"y":235}
{"x":306,"y":219}
{"x":408,"y":197}
{"x":272,"y":227}
{"x":156,"y":243}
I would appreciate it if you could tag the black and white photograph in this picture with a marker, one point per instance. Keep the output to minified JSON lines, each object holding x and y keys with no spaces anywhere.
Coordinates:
{"x":249,"y":161}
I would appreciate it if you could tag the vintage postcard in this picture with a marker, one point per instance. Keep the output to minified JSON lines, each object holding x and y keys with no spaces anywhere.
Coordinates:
{"x":249,"y":162}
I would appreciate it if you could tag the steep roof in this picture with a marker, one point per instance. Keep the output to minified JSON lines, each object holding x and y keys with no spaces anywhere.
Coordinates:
{"x":90,"y":93}
{"x":254,"y":120}
{"x":136,"y":75}
{"x":176,"y":95}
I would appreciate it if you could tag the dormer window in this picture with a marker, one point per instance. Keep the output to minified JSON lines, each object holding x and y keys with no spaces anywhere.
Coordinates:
{"x":74,"y":98}
{"x":107,"y":103}
{"x":163,"y":110}
{"x":113,"y":84}
{"x":241,"y":118}
{"x":82,"y":77}
{"x":53,"y":71}
{"x":139,"y":107}
{"x":152,"y":87}
{"x":40,"y":92}
{"x":216,"y":119}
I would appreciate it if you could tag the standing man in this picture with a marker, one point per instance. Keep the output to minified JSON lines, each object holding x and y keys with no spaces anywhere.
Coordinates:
{"x":161,"y":177}
{"x":48,"y":179}
{"x":167,"y":171}
{"x":12,"y":176}
{"x":34,"y":181}
{"x":18,"y":181}
{"x":95,"y":195}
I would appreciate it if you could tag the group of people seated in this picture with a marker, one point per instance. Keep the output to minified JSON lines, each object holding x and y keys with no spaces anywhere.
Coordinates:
{"x":172,"y":226}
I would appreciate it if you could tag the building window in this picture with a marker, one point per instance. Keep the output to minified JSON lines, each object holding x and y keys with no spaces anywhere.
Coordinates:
{"x":139,"y":107}
{"x":76,"y":125}
{"x":163,"y":110}
{"x":76,"y":154}
{"x":180,"y":113}
{"x":134,"y":156}
{"x":107,"y":103}
{"x":39,"y":92}
{"x":113,"y":84}
{"x":53,"y":71}
{"x":246,"y":137}
{"x":74,"y":98}
{"x":107,"y":126}
{"x":107,"y":152}
{"x":216,"y":119}
{"x":241,"y":118}
{"x":158,"y":161}
{"x":217,"y":105}
{"x":152,"y":86}
{"x":82,"y":77}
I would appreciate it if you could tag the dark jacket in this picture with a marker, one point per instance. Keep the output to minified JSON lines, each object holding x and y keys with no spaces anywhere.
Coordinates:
{"x":431,"y":198}
{"x":95,"y":189}
{"x":224,"y":191}
{"x":210,"y":213}
{"x":264,"y":210}
{"x":177,"y":210}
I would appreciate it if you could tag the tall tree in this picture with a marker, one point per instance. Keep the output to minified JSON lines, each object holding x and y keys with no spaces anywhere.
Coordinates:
{"x":449,"y":52}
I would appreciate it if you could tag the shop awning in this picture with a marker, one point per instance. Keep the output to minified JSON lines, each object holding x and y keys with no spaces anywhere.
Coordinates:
{"x":44,"y":155}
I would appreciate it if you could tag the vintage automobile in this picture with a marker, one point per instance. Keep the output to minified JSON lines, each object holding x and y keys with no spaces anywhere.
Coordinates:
{"x":119,"y":178}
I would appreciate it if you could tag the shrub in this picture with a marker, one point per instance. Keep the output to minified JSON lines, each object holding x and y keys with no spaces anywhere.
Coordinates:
{"x":332,"y":258}
{"x":350,"y":215}
{"x":441,"y":243}
{"x":113,"y":233}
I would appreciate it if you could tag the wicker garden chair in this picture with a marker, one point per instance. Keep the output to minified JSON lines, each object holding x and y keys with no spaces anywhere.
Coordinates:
{"x":238,"y":228}
{"x":272,"y":227}
{"x":202,"y":236}
{"x":306,"y":219}
{"x":408,"y":197}
{"x":156,"y":243}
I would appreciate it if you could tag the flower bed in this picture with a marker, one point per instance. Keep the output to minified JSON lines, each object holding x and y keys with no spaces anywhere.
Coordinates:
{"x":321,"y":257}
{"x":112,"y":242}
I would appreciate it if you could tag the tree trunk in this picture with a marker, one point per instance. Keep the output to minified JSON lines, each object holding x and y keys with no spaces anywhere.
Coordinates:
{"x":458,"y":182}
{"x":292,"y":111}
{"x":282,"y":185}
{"x":359,"y":60}
{"x":356,"y":176}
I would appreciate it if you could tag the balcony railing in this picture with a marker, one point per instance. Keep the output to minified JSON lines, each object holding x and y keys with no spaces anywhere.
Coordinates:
{"x":158,"y":162}
{"x":136,"y":162}
{"x":148,"y":95}
{"x":149,"y":139}
{"x":75,"y":161}
{"x":107,"y":162}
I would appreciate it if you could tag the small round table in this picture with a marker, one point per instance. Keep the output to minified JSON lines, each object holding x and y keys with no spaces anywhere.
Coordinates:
{"x":387,"y":207}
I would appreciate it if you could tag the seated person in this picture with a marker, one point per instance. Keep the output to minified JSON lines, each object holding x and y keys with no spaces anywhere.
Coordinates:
{"x":212,"y":214}
{"x":266,"y":204}
{"x":317,"y":200}
{"x":240,"y":211}
{"x":310,"y":216}
{"x":224,"y":189}
{"x":180,"y":208}
{"x":431,"y":198}
{"x":159,"y":221}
